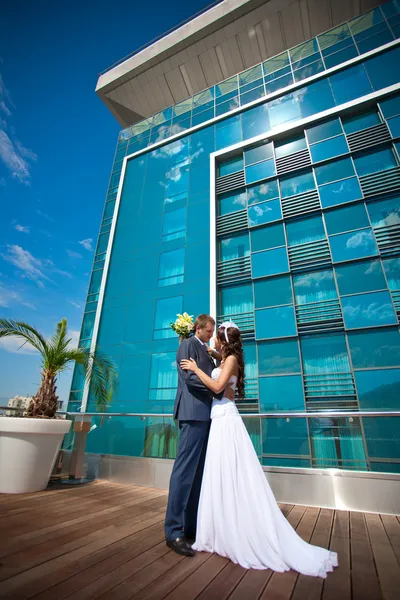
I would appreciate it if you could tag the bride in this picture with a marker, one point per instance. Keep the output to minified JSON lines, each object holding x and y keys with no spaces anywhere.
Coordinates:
{"x":238,"y":516}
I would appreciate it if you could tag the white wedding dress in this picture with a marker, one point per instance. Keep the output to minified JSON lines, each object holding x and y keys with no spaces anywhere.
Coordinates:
{"x":238,"y":516}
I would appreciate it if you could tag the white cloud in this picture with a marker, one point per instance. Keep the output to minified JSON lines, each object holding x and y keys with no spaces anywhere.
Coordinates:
{"x":75,"y":304}
{"x":31,"y":267}
{"x":361,"y":239}
{"x":87,"y":244}
{"x":7,"y":297}
{"x":22,"y":228}
{"x":74,"y":335}
{"x":15,"y":345}
{"x":73,"y":254}
{"x":45,"y":216}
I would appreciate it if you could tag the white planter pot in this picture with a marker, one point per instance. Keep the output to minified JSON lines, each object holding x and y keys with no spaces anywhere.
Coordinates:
{"x":28,"y":450}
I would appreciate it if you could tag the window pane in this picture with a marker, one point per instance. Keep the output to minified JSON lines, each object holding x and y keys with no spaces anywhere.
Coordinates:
{"x":287,"y":147}
{"x":284,"y":110}
{"x":228,"y":132}
{"x":171,"y":269}
{"x":95,"y":282}
{"x":362,"y":121}
{"x":315,"y":98}
{"x":174,"y":224}
{"x":281,"y":393}
{"x":255,"y":121}
{"x":350,"y":84}
{"x":269,"y":262}
{"x":383,"y":69}
{"x":325,"y":354}
{"x":314,"y":287}
{"x":281,"y":437}
{"x":231,"y":202}
{"x":166,"y":311}
{"x":337,"y":169}
{"x":264,"y":213}
{"x":374,"y":162}
{"x":377,"y":348}
{"x":339,"y":192}
{"x":279,"y":357}
{"x":163,"y":375}
{"x":324,"y":131}
{"x":230,"y":166}
{"x":264,"y":191}
{"x":365,"y":276}
{"x":378,"y":389}
{"x":260,"y":170}
{"x":346,"y":219}
{"x":273,"y":292}
{"x":394,"y":126}
{"x":237,"y":299}
{"x":306,"y":230}
{"x":234,"y":247}
{"x":349,"y":246}
{"x":275,"y":322}
{"x":384,"y":212}
{"x":329,"y":148}
{"x":297,"y":184}
{"x":392,"y":270}
{"x":390,"y":107}
{"x":88,"y":325}
{"x":259,"y":153}
{"x":367,"y":310}
{"x":267,"y":237}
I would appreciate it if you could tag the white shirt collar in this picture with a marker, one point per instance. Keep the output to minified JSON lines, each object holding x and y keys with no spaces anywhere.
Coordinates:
{"x":199,"y":340}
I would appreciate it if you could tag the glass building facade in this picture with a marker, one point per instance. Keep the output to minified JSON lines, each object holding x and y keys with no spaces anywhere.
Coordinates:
{"x":272,"y":198}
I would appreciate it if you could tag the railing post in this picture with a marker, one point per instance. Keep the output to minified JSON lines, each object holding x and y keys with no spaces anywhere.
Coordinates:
{"x":81,"y":429}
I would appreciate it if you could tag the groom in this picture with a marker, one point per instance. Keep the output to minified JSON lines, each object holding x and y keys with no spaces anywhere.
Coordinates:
{"x":192,"y":409}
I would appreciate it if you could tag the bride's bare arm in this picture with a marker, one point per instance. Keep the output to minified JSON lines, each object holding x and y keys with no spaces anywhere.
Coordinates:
{"x":215,"y":386}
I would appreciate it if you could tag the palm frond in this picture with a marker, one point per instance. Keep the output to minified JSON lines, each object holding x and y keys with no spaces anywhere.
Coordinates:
{"x":20,"y":329}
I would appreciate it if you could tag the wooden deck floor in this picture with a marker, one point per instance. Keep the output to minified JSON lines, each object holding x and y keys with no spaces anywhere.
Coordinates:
{"x":105,"y":540}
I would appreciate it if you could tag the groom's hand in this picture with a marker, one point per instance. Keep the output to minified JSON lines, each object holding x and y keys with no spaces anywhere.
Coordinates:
{"x":229,"y":393}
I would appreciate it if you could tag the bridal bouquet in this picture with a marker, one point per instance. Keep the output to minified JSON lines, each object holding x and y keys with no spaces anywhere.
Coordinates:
{"x":183,"y":326}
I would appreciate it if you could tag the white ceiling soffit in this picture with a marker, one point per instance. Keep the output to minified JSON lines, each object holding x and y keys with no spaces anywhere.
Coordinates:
{"x":230,"y":37}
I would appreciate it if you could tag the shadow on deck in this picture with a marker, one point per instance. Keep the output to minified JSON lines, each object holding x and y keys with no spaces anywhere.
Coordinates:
{"x":105,"y":540}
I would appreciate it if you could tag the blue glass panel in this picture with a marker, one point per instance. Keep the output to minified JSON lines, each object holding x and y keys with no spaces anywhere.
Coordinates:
{"x":284,"y":109}
{"x":260,"y":170}
{"x":350,"y":84}
{"x":236,"y":299}
{"x":383,"y":69}
{"x":279,"y":83}
{"x":391,"y":106}
{"x":365,"y":276}
{"x":374,"y":162}
{"x":264,"y":191}
{"x":391,"y":8}
{"x":394,"y":126}
{"x":231,"y":202}
{"x":163,"y":376}
{"x":172,"y":267}
{"x":255,"y":121}
{"x":278,"y":357}
{"x":287,"y":147}
{"x":166,"y":312}
{"x":382,"y":437}
{"x":315,"y":98}
{"x":174,"y":224}
{"x":270,"y":262}
{"x":349,"y":246}
{"x":337,"y":169}
{"x":340,"y":56}
{"x":266,"y":212}
{"x":258,"y":153}
{"x":297,"y":184}
{"x":384,"y":212}
{"x":229,"y":131}
{"x":273,"y":292}
{"x":376,"y":348}
{"x":325,"y":354}
{"x":314,"y":287}
{"x":275,"y":322}
{"x":346,"y":219}
{"x":230,"y":166}
{"x":309,"y":70}
{"x":95,"y":282}
{"x":361,"y":121}
{"x":392,"y":270}
{"x":297,"y":463}
{"x":379,"y":390}
{"x":368,"y":310}
{"x":340,"y":192}
{"x":324,"y":130}
{"x":267,"y":237}
{"x":87,"y":326}
{"x":234,"y":247}
{"x":306,"y":230}
{"x":282,"y":437}
{"x":329,"y":148}
{"x":281,"y":393}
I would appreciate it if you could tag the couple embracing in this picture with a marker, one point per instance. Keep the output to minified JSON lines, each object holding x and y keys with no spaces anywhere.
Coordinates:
{"x":218,"y":494}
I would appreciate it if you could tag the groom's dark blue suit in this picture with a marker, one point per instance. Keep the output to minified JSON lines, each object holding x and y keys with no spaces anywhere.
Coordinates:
{"x":192,"y":409}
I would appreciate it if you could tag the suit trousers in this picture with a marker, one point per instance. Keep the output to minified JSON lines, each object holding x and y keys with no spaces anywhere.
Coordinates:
{"x":185,"y":482}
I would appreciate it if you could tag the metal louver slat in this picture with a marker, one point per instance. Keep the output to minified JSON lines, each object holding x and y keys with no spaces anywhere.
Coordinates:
{"x":296,"y":161}
{"x":245,"y":322}
{"x":237,"y":269}
{"x":227,"y":183}
{"x":388,"y":238}
{"x":380,"y":183}
{"x":309,"y":255}
{"x":301,"y":204}
{"x":331,"y":385}
{"x":396,"y":302}
{"x":232,"y":222}
{"x":379,"y":134}
{"x":319,"y":317}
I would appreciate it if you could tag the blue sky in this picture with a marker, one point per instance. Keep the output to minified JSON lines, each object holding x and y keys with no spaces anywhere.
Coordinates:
{"x":56,"y":148}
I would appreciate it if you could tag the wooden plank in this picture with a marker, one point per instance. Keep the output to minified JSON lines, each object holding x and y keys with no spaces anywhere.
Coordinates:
{"x":193,"y":585}
{"x":252,"y":585}
{"x":311,"y":587}
{"x":392,"y":528}
{"x":224,"y":583}
{"x":364,"y":578}
{"x":281,"y":585}
{"x":338,"y":583}
{"x":385,"y":559}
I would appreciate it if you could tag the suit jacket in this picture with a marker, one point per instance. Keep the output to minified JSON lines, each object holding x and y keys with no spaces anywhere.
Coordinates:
{"x":193,"y":398}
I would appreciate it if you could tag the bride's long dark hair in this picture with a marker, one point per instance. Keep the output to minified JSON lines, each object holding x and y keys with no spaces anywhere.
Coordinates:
{"x":233,"y":347}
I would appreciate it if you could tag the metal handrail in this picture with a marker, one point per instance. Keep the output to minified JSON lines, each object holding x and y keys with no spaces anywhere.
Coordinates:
{"x":162,"y":35}
{"x":273,"y":415}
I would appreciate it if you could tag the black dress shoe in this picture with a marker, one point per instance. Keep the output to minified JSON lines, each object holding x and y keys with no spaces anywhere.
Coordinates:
{"x":190,"y":537}
{"x":180,"y":546}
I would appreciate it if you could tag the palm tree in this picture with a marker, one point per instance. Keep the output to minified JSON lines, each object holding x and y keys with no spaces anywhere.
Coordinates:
{"x":56,"y":355}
